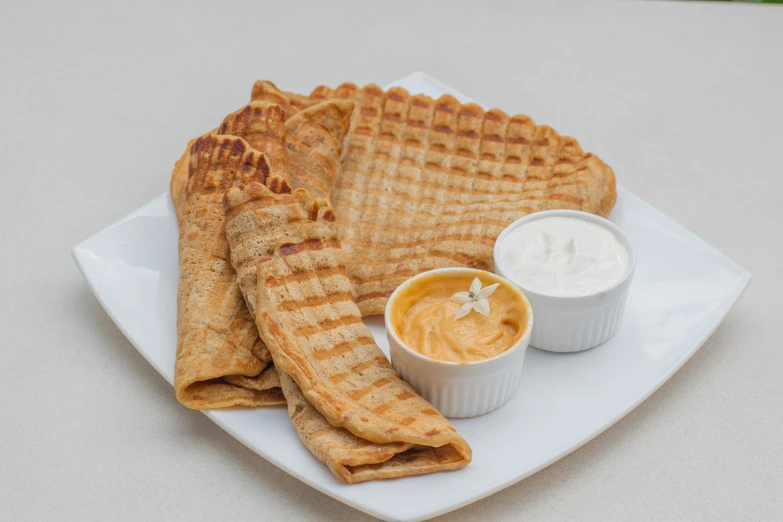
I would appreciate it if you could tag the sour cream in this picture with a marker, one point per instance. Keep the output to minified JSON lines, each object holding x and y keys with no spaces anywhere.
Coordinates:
{"x":563,"y":256}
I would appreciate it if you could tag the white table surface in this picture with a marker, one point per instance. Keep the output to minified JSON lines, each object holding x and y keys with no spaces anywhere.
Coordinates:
{"x":684,"y":101}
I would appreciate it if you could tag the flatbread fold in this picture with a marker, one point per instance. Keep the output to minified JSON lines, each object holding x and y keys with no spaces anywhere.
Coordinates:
{"x":431,"y":183}
{"x":237,"y":370}
{"x":348,"y":405}
{"x":221,"y":360}
{"x":313,"y":142}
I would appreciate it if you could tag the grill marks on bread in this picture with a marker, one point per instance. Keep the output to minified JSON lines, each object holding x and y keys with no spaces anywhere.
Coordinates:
{"x":430,"y":183}
{"x":349,"y":405}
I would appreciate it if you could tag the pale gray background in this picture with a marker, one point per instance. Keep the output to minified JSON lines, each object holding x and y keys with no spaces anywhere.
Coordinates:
{"x":684,"y":101}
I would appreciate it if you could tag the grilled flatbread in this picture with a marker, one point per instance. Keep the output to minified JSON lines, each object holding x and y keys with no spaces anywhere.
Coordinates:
{"x":348,"y":405}
{"x":431,"y":183}
{"x":221,"y":361}
{"x":313,"y":143}
{"x":313,"y":139}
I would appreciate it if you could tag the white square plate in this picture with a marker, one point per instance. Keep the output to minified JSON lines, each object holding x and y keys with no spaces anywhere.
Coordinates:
{"x":682,"y":290}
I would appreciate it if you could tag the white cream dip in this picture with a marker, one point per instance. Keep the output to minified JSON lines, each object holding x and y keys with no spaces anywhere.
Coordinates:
{"x":563,"y":256}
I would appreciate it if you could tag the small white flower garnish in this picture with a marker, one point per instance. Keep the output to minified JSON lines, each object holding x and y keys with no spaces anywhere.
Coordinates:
{"x":475,"y":299}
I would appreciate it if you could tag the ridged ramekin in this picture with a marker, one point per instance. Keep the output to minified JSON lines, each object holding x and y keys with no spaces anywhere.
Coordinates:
{"x":460,"y":389}
{"x":573,"y":324}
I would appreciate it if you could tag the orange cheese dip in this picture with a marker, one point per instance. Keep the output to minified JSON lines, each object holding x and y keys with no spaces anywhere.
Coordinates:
{"x":424,"y":317}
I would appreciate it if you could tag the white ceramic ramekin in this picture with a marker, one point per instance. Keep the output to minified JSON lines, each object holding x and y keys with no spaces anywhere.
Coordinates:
{"x":573,"y":324}
{"x":460,"y":389}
